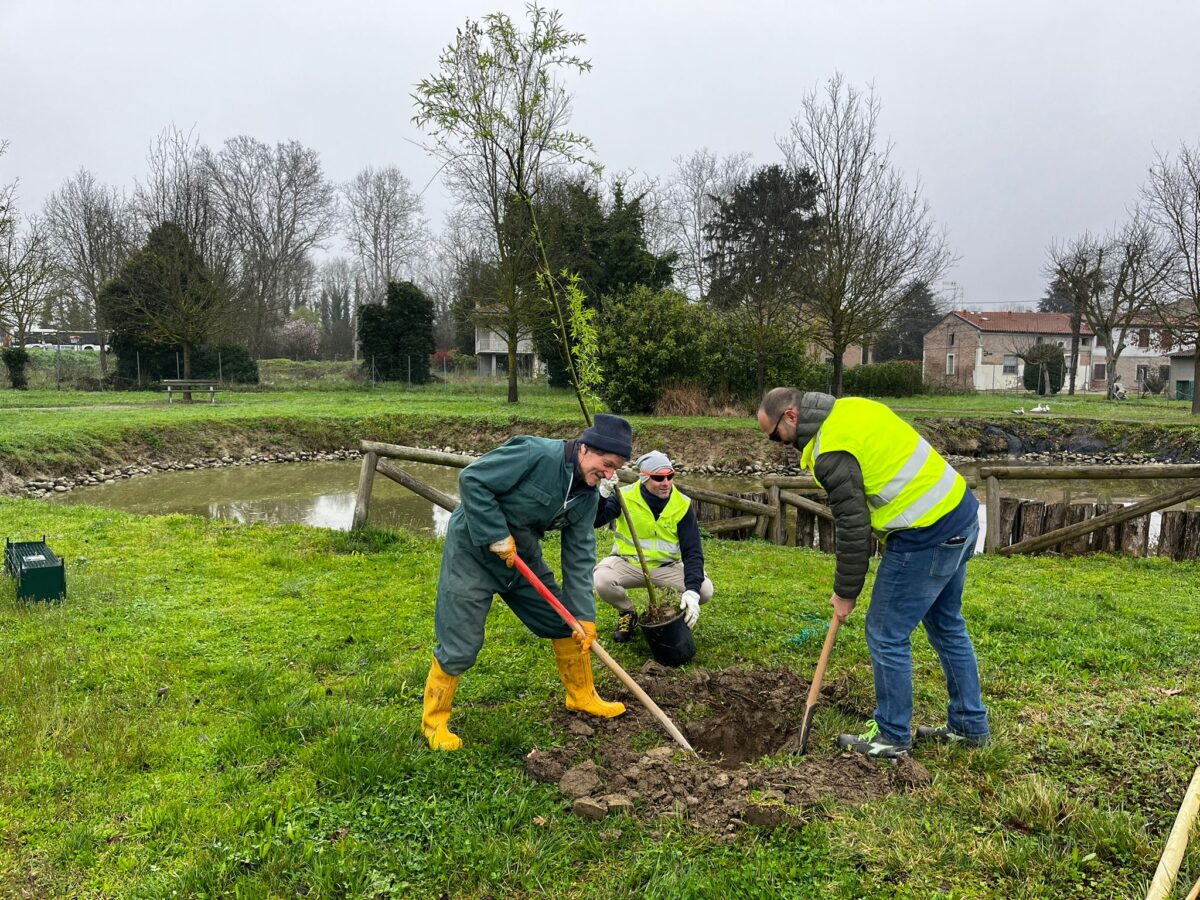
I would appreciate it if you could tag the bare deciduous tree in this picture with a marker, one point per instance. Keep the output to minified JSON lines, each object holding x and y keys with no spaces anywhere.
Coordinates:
{"x":275,"y":206}
{"x":179,"y":189}
{"x":28,"y":280}
{"x":877,"y":235}
{"x":8,"y":198}
{"x":91,"y":236}
{"x":1172,"y":195}
{"x":689,"y":202}
{"x":1115,"y":282}
{"x":386,"y":227}
{"x":497,"y":118}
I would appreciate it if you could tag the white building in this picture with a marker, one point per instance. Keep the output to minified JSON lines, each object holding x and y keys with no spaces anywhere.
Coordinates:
{"x":491,"y":351}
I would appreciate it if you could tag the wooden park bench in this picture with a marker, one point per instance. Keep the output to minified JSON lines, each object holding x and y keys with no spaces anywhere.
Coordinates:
{"x":189,"y":386}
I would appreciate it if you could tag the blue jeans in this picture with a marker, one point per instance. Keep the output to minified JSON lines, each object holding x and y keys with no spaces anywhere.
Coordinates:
{"x":910,"y":588}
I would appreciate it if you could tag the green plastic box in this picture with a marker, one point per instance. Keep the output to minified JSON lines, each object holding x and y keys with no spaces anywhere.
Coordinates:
{"x":39,"y":573}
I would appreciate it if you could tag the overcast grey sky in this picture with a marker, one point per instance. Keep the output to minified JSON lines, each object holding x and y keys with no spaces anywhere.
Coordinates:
{"x":1025,"y":121}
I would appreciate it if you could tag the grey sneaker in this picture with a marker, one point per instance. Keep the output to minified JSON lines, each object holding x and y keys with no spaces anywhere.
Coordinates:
{"x":946,"y":735}
{"x":869,"y":743}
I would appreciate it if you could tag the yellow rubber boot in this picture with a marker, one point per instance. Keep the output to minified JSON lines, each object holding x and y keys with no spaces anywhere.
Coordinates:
{"x":575,"y":670}
{"x":439,"y":695}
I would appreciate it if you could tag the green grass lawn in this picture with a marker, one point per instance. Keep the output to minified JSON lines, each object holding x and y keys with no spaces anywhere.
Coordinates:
{"x":232,"y":710}
{"x":58,"y":426}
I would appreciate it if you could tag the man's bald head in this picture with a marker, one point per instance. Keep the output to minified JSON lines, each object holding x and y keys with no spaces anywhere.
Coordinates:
{"x":776,"y":400}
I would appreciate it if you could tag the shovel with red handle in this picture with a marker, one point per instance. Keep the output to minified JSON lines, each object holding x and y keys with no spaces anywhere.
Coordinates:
{"x":624,"y":676}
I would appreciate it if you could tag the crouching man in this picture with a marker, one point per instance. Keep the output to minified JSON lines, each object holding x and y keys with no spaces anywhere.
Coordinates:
{"x":666,"y":528}
{"x":510,"y":498}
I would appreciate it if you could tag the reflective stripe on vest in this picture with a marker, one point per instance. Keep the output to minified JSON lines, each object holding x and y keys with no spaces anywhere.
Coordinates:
{"x":659,"y":537}
{"x":907,"y":483}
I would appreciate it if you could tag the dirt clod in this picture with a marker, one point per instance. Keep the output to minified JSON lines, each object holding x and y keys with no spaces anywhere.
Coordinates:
{"x":581,"y":780}
{"x":541,"y":766}
{"x":589,"y":808}
{"x":737,"y":719}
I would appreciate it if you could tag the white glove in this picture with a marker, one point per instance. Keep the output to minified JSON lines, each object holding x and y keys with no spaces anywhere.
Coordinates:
{"x":608,"y":485}
{"x":690,"y":604}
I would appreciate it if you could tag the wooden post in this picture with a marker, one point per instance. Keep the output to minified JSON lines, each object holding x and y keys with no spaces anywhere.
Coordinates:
{"x":812,"y":506}
{"x":1124,"y":513}
{"x":428,"y":491}
{"x":1170,"y":533}
{"x":722,"y":526}
{"x":362,"y":500}
{"x":1032,"y":512}
{"x":1056,"y":517}
{"x":1009,"y":508}
{"x":1090,"y":473}
{"x":991,"y":539}
{"x":1172,"y":856}
{"x":1108,"y":540}
{"x":806,"y":523}
{"x":826,"y":536}
{"x":1137,"y":533}
{"x":778,"y":530}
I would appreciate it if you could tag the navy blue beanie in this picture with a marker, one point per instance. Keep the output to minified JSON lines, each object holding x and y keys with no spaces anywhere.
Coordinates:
{"x":609,"y":434}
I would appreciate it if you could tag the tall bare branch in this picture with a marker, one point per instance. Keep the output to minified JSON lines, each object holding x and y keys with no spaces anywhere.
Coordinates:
{"x":1172,"y":195}
{"x":877,"y":233}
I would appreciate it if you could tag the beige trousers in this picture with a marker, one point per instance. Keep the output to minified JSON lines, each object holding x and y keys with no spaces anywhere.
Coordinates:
{"x":614,"y":574}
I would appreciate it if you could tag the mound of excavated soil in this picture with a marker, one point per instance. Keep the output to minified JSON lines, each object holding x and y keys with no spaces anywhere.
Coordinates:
{"x":734,"y":718}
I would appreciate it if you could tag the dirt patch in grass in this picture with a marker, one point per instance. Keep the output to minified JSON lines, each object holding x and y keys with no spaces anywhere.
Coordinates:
{"x":736,"y":719}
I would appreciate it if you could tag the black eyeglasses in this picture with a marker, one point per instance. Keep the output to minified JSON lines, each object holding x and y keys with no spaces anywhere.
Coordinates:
{"x":666,"y":477}
{"x":774,"y":435}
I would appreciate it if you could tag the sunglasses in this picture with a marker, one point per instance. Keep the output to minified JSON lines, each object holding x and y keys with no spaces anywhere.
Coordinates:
{"x":774,"y":435}
{"x":666,"y":477}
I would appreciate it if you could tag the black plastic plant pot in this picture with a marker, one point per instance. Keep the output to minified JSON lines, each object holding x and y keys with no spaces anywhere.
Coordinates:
{"x":671,"y":643}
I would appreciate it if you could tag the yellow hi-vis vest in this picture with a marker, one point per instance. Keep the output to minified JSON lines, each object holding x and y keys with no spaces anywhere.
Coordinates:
{"x":659,"y":537}
{"x":908,"y":484}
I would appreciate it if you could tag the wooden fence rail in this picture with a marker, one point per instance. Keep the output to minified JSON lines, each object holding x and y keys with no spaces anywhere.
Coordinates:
{"x":790,"y":509}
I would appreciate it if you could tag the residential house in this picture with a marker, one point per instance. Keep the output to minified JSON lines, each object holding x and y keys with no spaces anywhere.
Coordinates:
{"x":982,"y":350}
{"x":1147,"y":351}
{"x":1181,"y":384}
{"x":491,"y":351}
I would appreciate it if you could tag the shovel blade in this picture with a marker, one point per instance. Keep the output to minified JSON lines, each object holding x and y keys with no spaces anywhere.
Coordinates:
{"x":798,"y":742}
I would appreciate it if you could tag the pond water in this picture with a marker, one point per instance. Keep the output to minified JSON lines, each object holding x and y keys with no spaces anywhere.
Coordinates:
{"x":321,"y":494}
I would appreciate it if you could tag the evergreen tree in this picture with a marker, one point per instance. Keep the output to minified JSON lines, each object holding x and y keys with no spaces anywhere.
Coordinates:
{"x":165,"y":297}
{"x":397,"y":335}
{"x":1059,"y":297}
{"x":917,"y":313}
{"x":606,"y":248}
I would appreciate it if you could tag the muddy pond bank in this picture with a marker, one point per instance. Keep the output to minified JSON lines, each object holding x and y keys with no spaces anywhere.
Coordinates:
{"x":728,"y":448}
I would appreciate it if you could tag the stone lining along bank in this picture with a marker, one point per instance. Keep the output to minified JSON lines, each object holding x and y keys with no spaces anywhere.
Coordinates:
{"x":44,"y":487}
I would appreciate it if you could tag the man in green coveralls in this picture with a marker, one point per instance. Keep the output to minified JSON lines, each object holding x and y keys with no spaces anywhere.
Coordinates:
{"x":510,"y":498}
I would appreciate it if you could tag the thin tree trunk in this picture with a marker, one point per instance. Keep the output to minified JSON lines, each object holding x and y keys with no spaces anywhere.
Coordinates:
{"x":1196,"y":380}
{"x":836,"y":387}
{"x":187,"y":370}
{"x":512,"y":368}
{"x":1076,"y":323}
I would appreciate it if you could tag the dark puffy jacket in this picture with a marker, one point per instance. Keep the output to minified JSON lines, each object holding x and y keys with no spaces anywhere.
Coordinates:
{"x":841,"y":476}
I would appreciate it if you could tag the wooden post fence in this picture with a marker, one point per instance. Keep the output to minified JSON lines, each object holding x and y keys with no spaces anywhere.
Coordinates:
{"x":789,"y":511}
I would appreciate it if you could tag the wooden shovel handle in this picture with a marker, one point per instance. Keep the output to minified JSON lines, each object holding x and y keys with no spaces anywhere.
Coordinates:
{"x":814,"y":688}
{"x":653,"y":708}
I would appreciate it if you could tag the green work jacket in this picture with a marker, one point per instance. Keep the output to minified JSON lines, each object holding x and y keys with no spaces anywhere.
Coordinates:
{"x":521,"y":488}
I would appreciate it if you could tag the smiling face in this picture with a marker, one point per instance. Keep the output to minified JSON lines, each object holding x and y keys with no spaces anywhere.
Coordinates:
{"x":661,"y":483}
{"x":596,"y":465}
